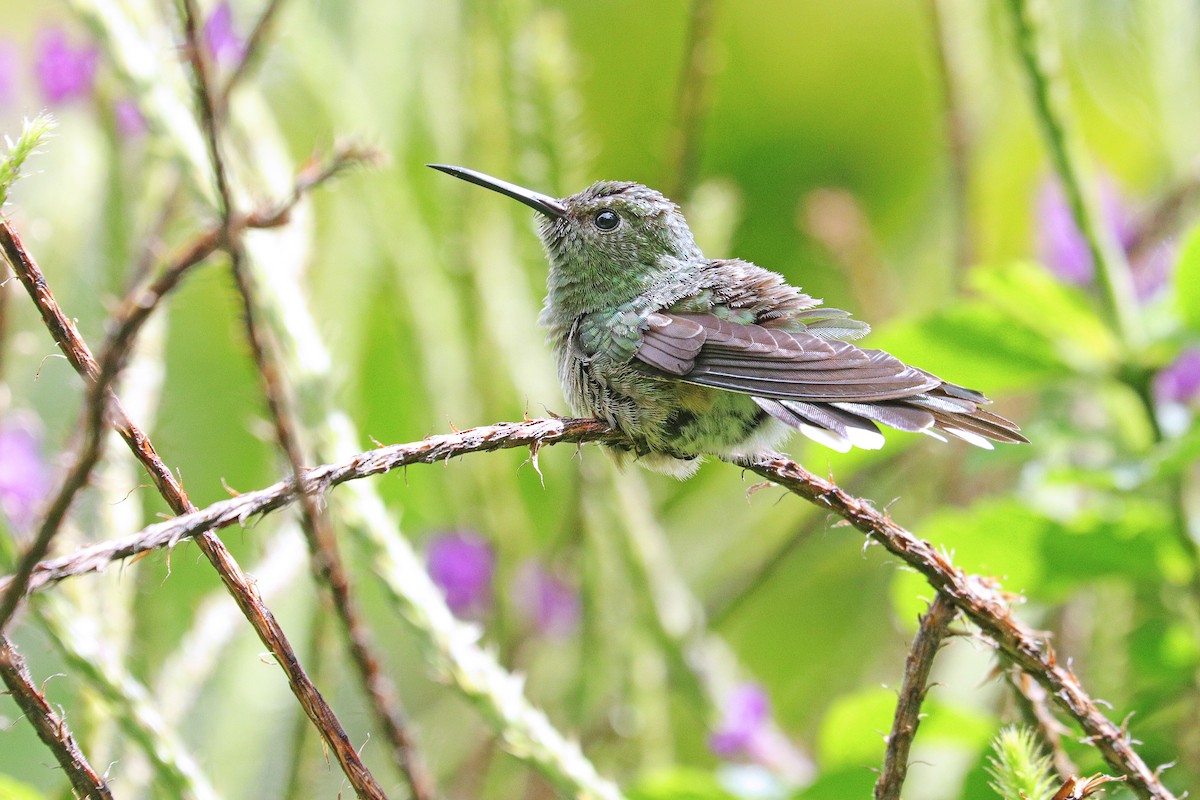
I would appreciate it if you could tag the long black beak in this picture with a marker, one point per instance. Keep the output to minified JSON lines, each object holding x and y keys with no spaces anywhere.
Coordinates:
{"x":547,"y":205}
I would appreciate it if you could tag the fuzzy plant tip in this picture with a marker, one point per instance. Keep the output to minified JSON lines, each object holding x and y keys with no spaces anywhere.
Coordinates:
{"x":1019,"y":768}
{"x":33,"y":133}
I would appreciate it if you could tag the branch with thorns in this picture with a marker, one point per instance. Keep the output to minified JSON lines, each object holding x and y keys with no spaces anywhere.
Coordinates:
{"x":50,"y":727}
{"x":978,"y":598}
{"x":327,"y":565}
{"x":1035,"y":705}
{"x":239,"y":585}
{"x":918,"y":664}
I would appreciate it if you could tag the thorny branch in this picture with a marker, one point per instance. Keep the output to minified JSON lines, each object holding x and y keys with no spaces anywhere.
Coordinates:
{"x":917,"y":666}
{"x":980,"y":599}
{"x":1032,"y":697}
{"x":98,"y":397}
{"x":141,"y":302}
{"x":319,"y":480}
{"x":242,"y":589}
{"x":326,"y":561}
{"x":130,"y":318}
{"x":50,"y":727}
{"x":364,"y":783}
{"x":728,"y":601}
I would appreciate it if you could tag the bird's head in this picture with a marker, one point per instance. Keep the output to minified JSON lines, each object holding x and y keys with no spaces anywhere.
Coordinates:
{"x":609,"y":241}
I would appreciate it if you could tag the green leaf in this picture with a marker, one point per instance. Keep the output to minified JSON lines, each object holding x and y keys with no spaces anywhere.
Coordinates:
{"x":1163,"y":651}
{"x":679,"y":784}
{"x":973,"y":343}
{"x":851,"y":733}
{"x":1025,"y":328}
{"x":1171,"y":458}
{"x":1128,"y":544}
{"x":1187,"y":280}
{"x":1061,"y":314}
{"x":1178,"y":647}
{"x":1045,"y":558}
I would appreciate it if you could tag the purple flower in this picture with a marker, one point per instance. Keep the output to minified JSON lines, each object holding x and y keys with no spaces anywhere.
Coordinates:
{"x":64,"y":72}
{"x":1064,"y":250}
{"x":747,"y":733}
{"x":1060,"y":244}
{"x":10,"y":65}
{"x":1179,"y":382}
{"x":224,"y":44}
{"x":128,"y":117}
{"x":462,"y":564}
{"x":552,"y":604}
{"x":24,"y":479}
{"x":745,"y":722}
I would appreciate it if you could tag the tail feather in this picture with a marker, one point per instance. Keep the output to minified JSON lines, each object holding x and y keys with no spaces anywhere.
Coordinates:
{"x":978,"y":425}
{"x":819,"y":422}
{"x":996,"y":420}
{"x":947,"y":408}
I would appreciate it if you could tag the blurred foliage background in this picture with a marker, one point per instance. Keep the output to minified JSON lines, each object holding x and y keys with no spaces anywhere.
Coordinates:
{"x":701,"y":641}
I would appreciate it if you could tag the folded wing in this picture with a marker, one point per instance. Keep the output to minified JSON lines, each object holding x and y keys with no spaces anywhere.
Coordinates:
{"x":828,"y":389}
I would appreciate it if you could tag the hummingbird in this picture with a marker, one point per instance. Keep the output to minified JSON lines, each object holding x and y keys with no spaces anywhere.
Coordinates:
{"x":690,"y":356}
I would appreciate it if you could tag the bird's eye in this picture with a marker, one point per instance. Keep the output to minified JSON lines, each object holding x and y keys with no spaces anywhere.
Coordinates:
{"x":606,"y":219}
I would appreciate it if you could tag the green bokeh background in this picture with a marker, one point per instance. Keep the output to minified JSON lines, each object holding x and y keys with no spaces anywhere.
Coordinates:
{"x":426,"y":292}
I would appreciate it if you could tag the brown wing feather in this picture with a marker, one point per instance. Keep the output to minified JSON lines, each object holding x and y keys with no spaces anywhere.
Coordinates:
{"x":768,"y":362}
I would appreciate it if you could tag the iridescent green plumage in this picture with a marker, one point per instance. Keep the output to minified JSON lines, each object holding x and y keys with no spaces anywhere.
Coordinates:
{"x":691,"y":356}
